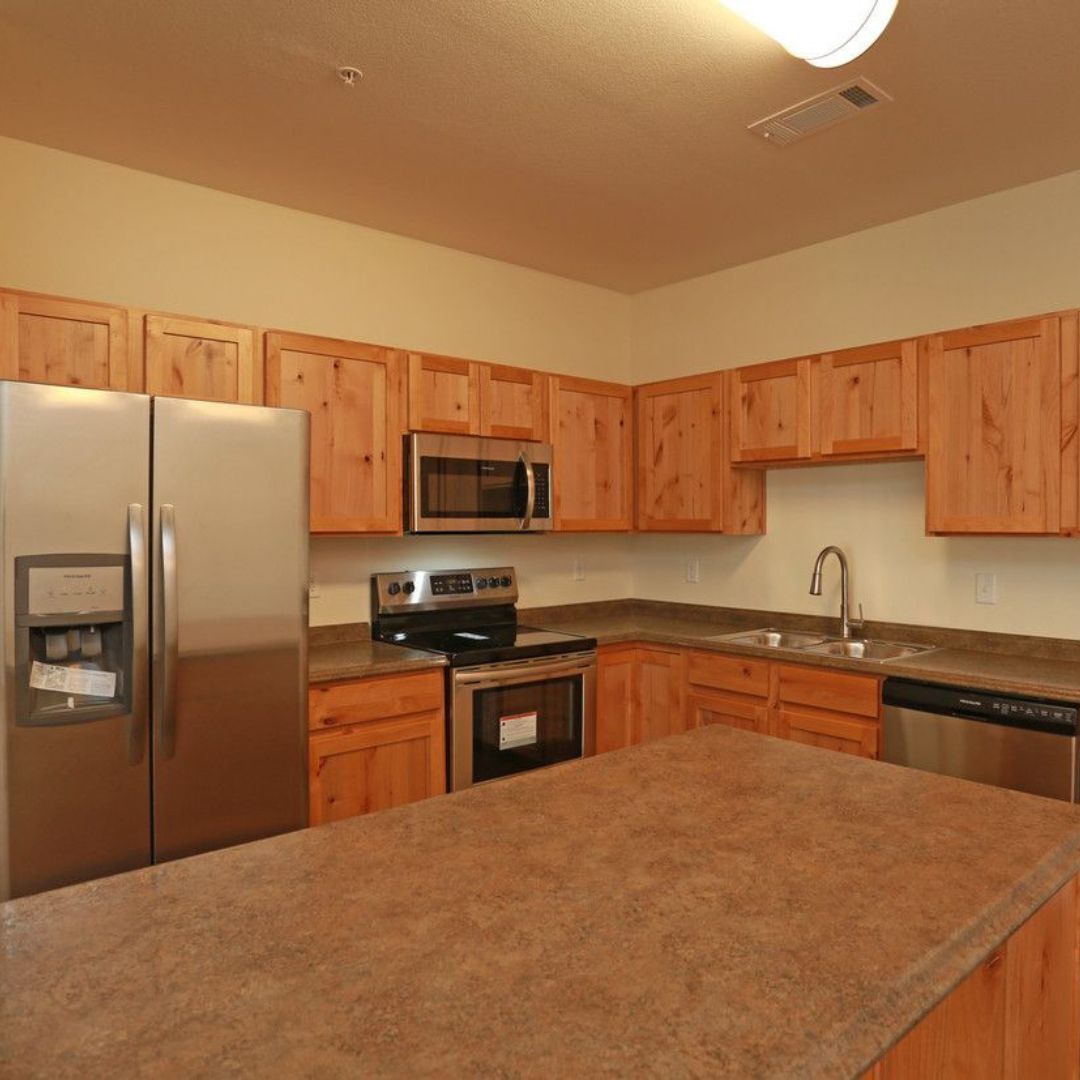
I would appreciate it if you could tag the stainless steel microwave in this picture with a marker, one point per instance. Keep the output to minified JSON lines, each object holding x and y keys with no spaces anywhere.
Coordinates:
{"x":466,"y":484}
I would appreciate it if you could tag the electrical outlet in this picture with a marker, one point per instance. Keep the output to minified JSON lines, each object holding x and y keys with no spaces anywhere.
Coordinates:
{"x":579,"y":570}
{"x":693,"y":571}
{"x":986,"y":589}
{"x":313,"y":589}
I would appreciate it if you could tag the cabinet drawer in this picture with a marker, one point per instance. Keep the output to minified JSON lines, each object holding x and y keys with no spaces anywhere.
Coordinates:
{"x":377,"y":698}
{"x":859,"y":694}
{"x":737,"y":674}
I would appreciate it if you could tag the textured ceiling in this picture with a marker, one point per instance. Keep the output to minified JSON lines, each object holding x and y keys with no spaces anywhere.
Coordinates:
{"x":602,"y":140}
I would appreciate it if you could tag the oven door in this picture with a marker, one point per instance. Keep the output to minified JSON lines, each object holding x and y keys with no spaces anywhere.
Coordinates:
{"x":467,"y":484}
{"x":509,"y":718}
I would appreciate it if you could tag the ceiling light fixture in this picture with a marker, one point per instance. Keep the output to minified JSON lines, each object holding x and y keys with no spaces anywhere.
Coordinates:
{"x":825,"y":33}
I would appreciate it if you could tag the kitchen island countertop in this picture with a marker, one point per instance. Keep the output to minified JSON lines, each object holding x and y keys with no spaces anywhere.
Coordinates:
{"x":714,"y":903}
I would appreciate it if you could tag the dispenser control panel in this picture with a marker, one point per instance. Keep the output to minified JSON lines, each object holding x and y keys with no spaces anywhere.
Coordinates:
{"x":62,"y":590}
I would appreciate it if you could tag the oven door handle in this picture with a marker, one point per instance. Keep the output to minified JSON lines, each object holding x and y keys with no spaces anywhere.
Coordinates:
{"x":547,"y":669}
{"x":530,"y":495}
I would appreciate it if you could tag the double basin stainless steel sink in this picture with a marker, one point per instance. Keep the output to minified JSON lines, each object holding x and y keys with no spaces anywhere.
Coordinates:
{"x":851,"y":648}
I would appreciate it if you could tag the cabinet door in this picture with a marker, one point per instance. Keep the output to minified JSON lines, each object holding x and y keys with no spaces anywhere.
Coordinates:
{"x":444,"y":394}
{"x":993,"y":460}
{"x":375,"y":766}
{"x":513,"y":403}
{"x":592,"y":433}
{"x":616,"y":698}
{"x":65,"y":342}
{"x":747,"y":714}
{"x":770,"y":411}
{"x":868,"y":400}
{"x":352,"y":393}
{"x":684,"y":483}
{"x":662,"y":678}
{"x":205,"y":360}
{"x":1070,"y":423}
{"x":830,"y":731}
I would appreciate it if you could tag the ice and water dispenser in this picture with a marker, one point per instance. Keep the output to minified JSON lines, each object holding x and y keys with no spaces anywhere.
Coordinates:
{"x":72,"y":638}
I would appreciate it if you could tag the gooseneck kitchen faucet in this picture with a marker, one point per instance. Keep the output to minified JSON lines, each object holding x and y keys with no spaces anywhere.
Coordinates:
{"x":815,"y":585}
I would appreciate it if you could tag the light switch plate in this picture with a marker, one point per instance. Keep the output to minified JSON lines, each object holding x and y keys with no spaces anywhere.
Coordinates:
{"x":986,"y":589}
{"x":693,"y":571}
{"x":578,"y":572}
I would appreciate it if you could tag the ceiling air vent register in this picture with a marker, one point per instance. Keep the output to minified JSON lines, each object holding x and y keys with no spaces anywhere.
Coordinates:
{"x":820,"y":112}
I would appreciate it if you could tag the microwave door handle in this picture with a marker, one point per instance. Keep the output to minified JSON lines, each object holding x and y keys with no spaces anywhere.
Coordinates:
{"x":530,"y":497}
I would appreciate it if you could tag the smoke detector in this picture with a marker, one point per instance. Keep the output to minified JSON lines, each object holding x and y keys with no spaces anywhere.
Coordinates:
{"x":841,"y":103}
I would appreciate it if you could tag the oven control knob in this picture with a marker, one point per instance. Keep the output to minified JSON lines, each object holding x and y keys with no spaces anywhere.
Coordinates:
{"x":394,"y":588}
{"x":493,"y":582}
{"x":504,"y":582}
{"x":409,"y":588}
{"x":481,"y":583}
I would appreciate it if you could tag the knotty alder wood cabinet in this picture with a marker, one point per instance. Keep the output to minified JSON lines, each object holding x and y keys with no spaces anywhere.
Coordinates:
{"x":592,"y":432}
{"x":466,"y":397}
{"x":353,"y":393}
{"x":828,"y":709}
{"x":684,"y":479}
{"x":994,"y":441}
{"x":1013,"y":1018}
{"x":65,"y":342}
{"x":375,"y":743}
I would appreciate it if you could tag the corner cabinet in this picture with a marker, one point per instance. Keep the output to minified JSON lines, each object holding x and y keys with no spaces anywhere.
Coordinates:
{"x":684,"y":479}
{"x":770,"y":412}
{"x":592,"y":432}
{"x":47,"y":339}
{"x":994,"y":441}
{"x":375,"y":744}
{"x":353,"y":393}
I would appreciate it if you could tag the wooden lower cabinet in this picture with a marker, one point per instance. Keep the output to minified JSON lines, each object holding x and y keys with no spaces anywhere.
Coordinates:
{"x":828,"y":730}
{"x":375,"y":744}
{"x":647,"y":692}
{"x":1014,"y":1018}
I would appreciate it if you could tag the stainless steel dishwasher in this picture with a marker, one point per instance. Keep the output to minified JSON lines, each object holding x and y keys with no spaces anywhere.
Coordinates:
{"x":1027,"y":744}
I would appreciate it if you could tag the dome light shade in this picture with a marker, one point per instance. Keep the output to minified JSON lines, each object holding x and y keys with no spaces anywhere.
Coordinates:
{"x":825,"y":33}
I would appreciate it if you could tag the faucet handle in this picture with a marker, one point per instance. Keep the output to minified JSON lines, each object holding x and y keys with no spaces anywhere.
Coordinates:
{"x":860,"y":622}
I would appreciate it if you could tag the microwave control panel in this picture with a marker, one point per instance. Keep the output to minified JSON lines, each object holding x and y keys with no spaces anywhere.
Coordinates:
{"x":543,"y":491}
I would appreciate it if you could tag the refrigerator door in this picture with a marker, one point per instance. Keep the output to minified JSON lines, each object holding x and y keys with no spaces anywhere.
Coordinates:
{"x":74,"y":768}
{"x":230,"y":544}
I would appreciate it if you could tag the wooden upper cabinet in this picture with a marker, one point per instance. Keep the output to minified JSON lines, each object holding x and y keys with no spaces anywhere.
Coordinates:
{"x":65,"y":342}
{"x":684,"y":483}
{"x":513,"y":403}
{"x":1070,"y":423}
{"x":994,"y":440}
{"x":593,"y":437}
{"x":192,"y":358}
{"x":867,"y":400}
{"x":444,"y":394}
{"x":353,"y":393}
{"x":465,"y":397}
{"x":770,"y":411}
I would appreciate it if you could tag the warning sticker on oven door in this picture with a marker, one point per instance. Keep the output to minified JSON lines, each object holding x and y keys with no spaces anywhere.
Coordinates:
{"x":519,"y":730}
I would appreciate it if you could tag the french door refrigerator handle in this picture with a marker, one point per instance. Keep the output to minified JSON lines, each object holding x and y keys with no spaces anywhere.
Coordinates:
{"x":136,"y":521}
{"x":530,"y":497}
{"x":165,"y":736}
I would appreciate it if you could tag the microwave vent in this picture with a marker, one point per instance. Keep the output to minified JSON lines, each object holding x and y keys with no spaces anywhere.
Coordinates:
{"x":818,"y":113}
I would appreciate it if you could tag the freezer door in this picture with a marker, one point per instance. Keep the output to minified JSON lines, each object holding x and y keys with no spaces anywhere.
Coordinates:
{"x":230,"y":521}
{"x":74,"y":771}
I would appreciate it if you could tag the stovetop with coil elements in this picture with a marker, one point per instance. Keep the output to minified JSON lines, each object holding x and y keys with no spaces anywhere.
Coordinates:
{"x":469,"y":616}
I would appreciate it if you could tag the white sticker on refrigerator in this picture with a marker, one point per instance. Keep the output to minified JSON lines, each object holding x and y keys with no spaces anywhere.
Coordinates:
{"x":72,"y":680}
{"x":519,"y":730}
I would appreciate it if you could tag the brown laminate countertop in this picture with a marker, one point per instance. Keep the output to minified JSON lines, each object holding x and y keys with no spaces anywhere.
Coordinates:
{"x":347,"y":652}
{"x":965,"y":658}
{"x":716,"y":903}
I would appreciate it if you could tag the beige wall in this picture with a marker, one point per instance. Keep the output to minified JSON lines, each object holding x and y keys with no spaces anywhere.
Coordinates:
{"x":84,"y":228}
{"x":1011,"y":254}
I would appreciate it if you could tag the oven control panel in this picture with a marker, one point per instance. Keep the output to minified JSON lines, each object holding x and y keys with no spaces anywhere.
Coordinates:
{"x":433,"y":590}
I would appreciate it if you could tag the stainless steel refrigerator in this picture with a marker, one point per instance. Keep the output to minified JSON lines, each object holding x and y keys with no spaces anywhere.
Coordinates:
{"x":154,"y":554}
